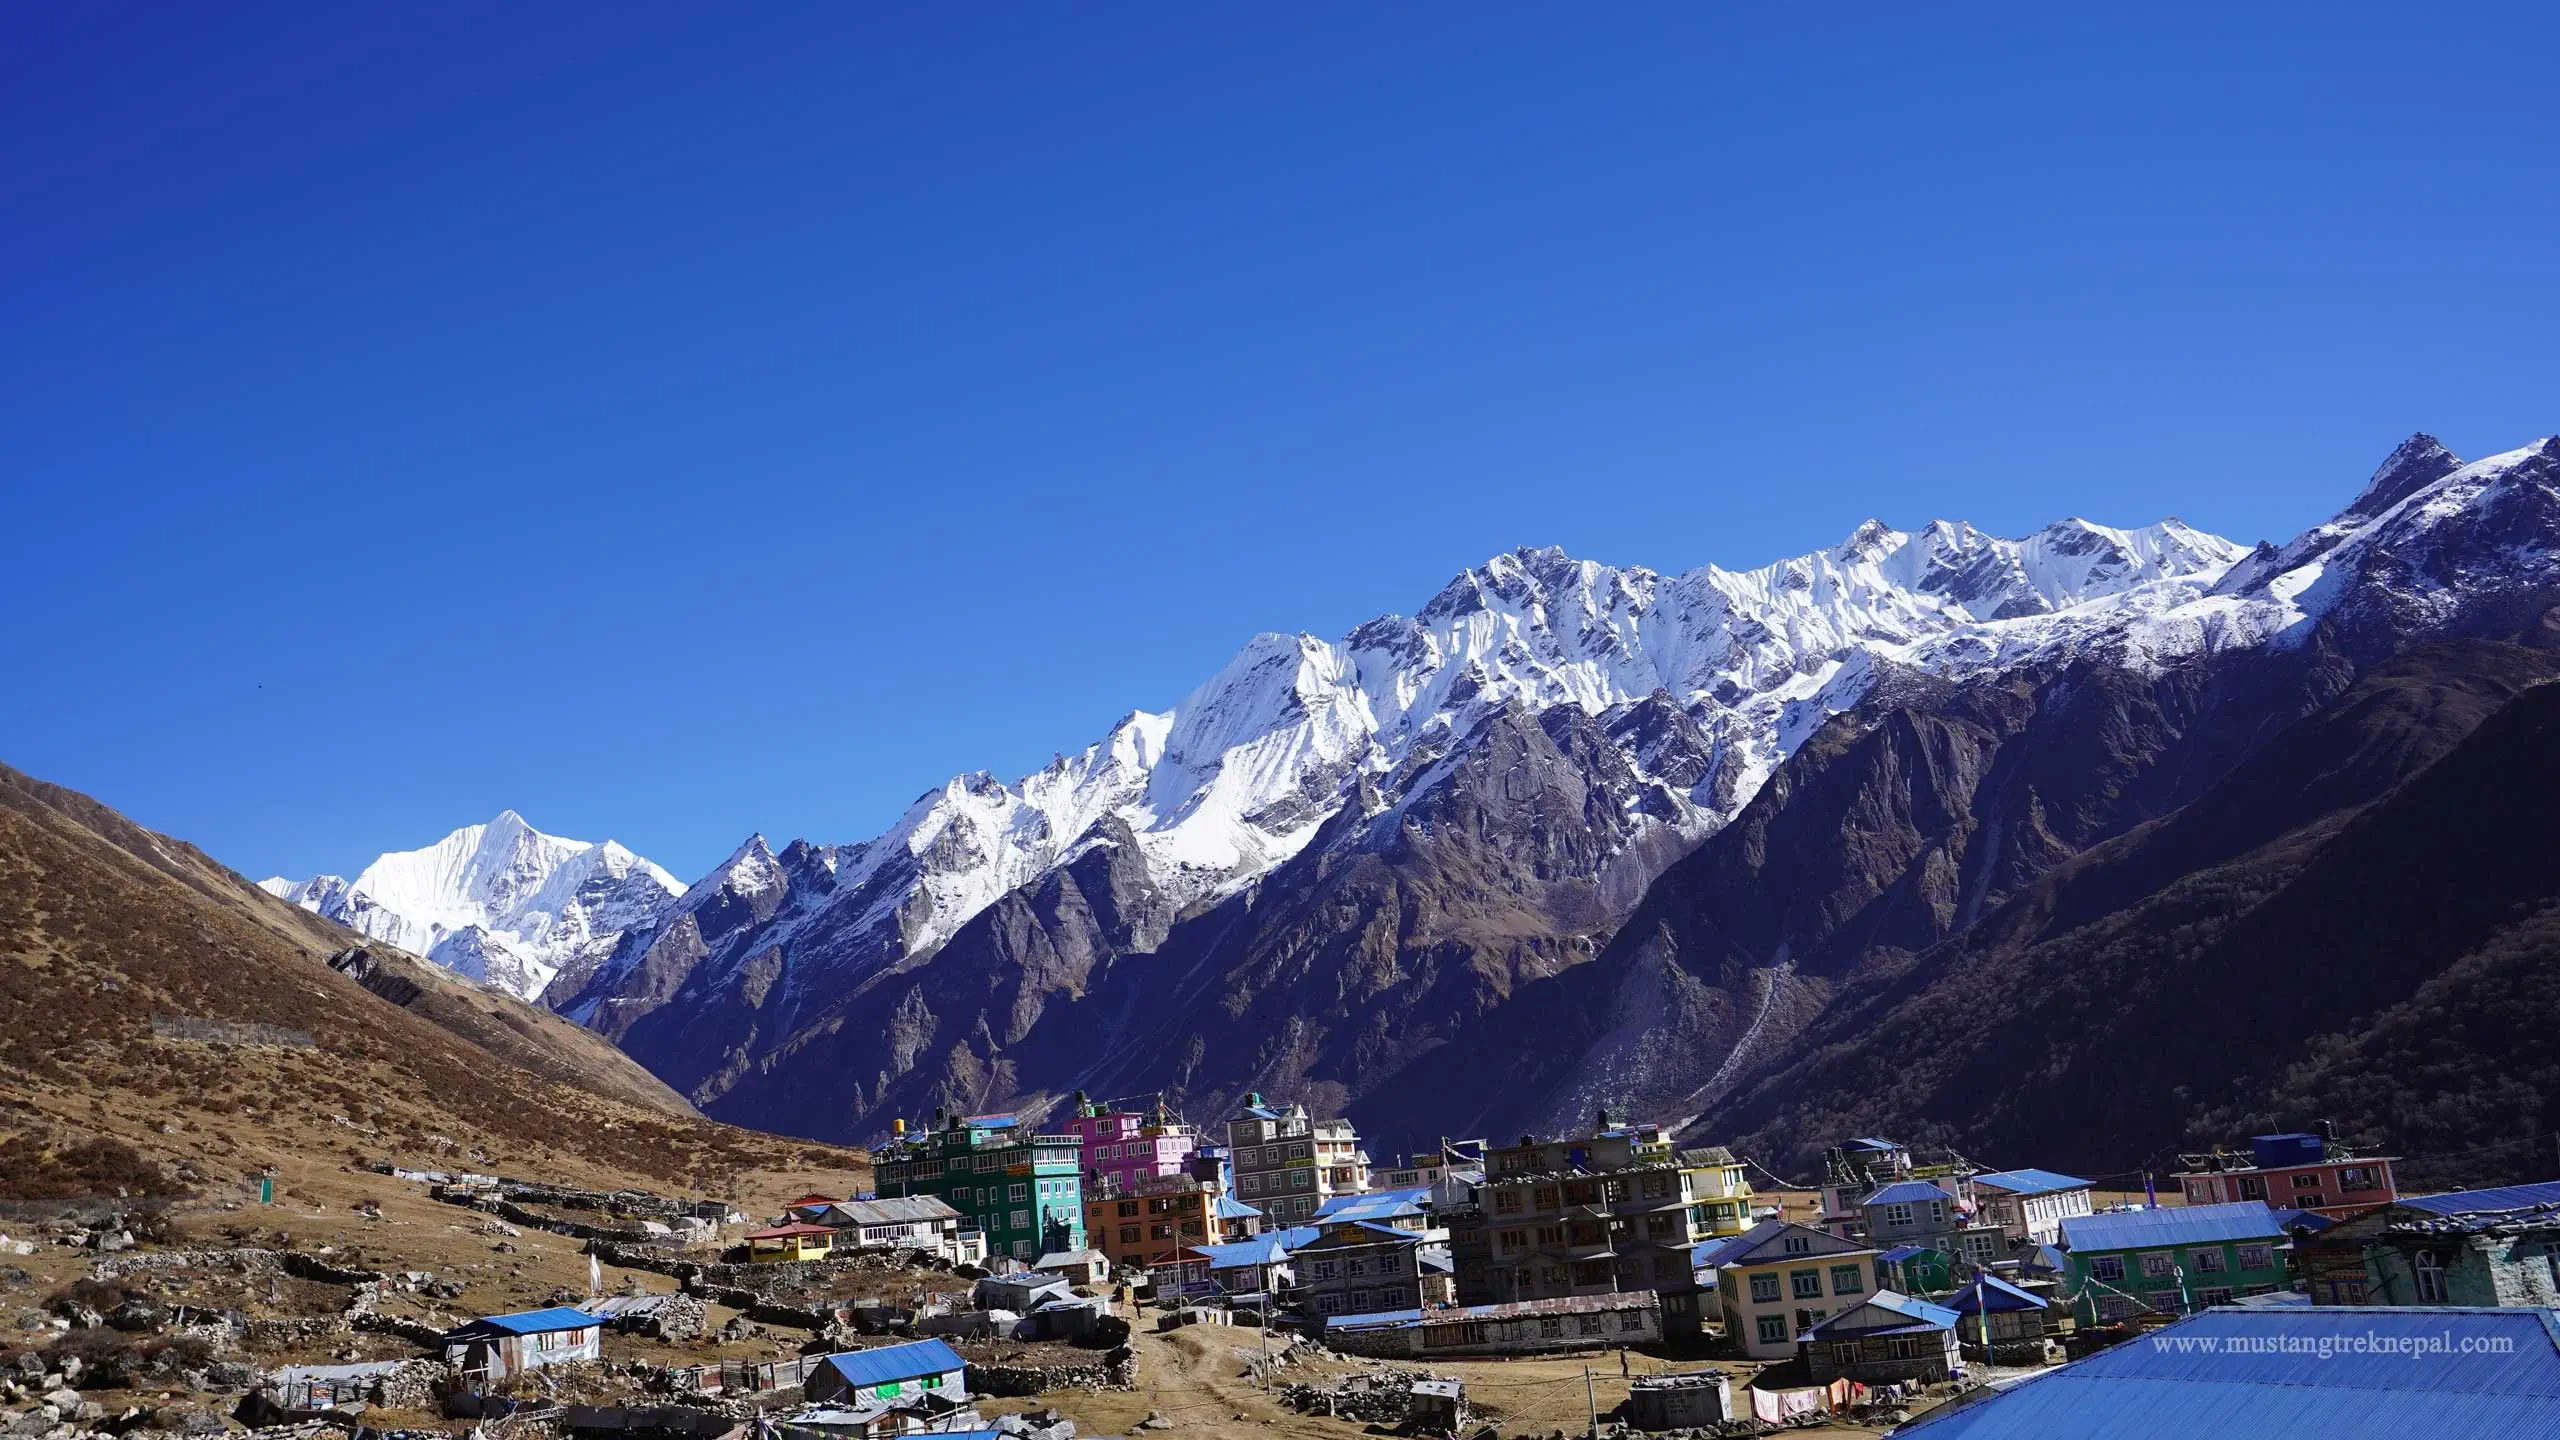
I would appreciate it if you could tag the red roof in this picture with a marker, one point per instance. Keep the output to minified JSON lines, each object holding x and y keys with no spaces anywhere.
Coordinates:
{"x":812,"y":1200}
{"x":785,"y":1232}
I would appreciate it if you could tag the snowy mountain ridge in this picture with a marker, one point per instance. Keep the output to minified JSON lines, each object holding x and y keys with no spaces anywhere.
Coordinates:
{"x":501,"y":903}
{"x":1236,"y":778}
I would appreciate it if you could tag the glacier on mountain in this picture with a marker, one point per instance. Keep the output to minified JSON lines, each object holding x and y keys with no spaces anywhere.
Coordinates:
{"x":500,"y":903}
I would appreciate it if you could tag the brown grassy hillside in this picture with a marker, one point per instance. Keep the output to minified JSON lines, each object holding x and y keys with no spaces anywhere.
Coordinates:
{"x":106,"y":927}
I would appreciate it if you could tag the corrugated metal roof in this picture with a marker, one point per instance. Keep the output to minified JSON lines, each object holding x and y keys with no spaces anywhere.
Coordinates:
{"x":537,"y":1322}
{"x":901,"y":1210}
{"x":1906,"y":1192}
{"x":2338,"y":1372}
{"x":1375,"y":1204}
{"x":2504,"y":1197}
{"x":2030,"y":1181}
{"x":1231,"y":1209}
{"x":1986,"y":1291}
{"x":896,"y":1362}
{"x":2154,"y":1229}
{"x":1900,"y":1253}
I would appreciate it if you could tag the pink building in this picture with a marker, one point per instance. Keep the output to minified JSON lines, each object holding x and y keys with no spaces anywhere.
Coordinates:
{"x":1125,"y":1147}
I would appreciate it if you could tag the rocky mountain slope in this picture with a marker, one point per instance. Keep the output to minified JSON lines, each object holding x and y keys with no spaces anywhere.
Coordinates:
{"x":155,"y":1008}
{"x":836,"y":978}
{"x":500,"y":903}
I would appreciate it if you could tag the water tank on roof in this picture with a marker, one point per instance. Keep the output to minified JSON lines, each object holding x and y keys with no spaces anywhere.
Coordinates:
{"x":2277,"y":1152}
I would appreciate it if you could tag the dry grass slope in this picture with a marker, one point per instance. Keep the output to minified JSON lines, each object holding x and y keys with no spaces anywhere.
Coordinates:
{"x":104,"y":925}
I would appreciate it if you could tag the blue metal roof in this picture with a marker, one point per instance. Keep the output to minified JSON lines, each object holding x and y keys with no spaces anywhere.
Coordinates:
{"x":1900,"y":1253}
{"x":537,"y":1322}
{"x":2311,"y":1220}
{"x":1870,"y":1142}
{"x":2335,"y":1371}
{"x":1376,"y":1204}
{"x":1708,"y":1254}
{"x":1919,"y":1314}
{"x":1262,"y":1249}
{"x":2157,"y":1229}
{"x":1367,"y":1318}
{"x":2504,"y":1197}
{"x":1231,"y":1209}
{"x":896,"y":1362}
{"x":1986,"y":1291}
{"x":2048,"y":1257}
{"x":1907,"y":1192}
{"x":2030,"y":1182}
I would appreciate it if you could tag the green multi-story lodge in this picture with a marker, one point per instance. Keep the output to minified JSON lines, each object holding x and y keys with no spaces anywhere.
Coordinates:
{"x":1023,"y":1190}
{"x":2175,"y":1261}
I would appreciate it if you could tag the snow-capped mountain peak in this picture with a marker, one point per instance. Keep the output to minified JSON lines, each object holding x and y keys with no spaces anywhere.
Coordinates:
{"x":500,"y":902}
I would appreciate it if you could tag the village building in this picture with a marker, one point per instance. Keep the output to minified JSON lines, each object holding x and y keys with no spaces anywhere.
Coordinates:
{"x":2294,"y":1171}
{"x":799,"y":1240}
{"x":1934,"y":1215}
{"x":1854,"y":1170}
{"x":1234,"y":1219}
{"x":1339,"y":1158}
{"x":498,"y":1348}
{"x":2001,"y":1323}
{"x":1619,"y":1210}
{"x":912,"y":1222}
{"x":1142,"y":1228}
{"x":1519,"y":1327}
{"x":1125,"y":1148}
{"x":2334,"y":1373}
{"x":891,"y":1372}
{"x":1689,"y":1400}
{"x":811,"y":1207}
{"x":1023,"y":1191}
{"x":1278,"y":1168}
{"x":1259,"y":1266}
{"x":1353,"y":1267}
{"x":2030,"y":1205}
{"x":1426,"y":1169}
{"x":1403,"y":1209}
{"x":1887,"y":1336}
{"x":2174,"y":1260}
{"x":1779,"y":1279}
{"x":1087,"y":1268}
{"x":2494,"y":1247}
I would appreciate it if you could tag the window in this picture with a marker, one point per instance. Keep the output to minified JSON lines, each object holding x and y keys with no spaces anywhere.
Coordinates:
{"x":1019,"y":1192}
{"x":1764,"y":1288}
{"x":1325,"y":1270}
{"x":1329,"y":1304}
{"x":2306,"y":1181}
{"x":1128,"y":1234}
{"x":2157,"y":1264}
{"x":1550,"y":1234}
{"x":1506,"y":1202}
{"x":2214,"y":1295}
{"x":1630,"y":1320}
{"x":1128,"y":1208}
{"x":1897,"y":1214}
{"x":1357,"y":1265}
{"x":1021,"y":1219}
{"x":1547,"y":1197}
{"x":2430,"y":1278}
{"x":1253,"y":1184}
{"x":1845,"y":1280}
{"x":1551,"y":1327}
{"x":2209,"y":1262}
{"x":1161,"y":1230}
{"x":1656,"y":1186}
{"x":1798,"y":1245}
{"x":2359,"y":1177}
{"x":2199,"y":1192}
{"x":1805,"y":1284}
{"x":1515,"y":1239}
{"x":2257,"y":1257}
{"x":2107,"y":1267}
{"x":2253,"y":1187}
{"x":1773,"y":1329}
{"x":1982,"y":1247}
{"x":2344,"y":1292}
{"x":1587,"y":1324}
{"x":1359,"y":1300}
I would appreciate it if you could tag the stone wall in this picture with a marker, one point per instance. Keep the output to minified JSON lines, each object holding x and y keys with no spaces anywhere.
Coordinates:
{"x":1111,"y":1370}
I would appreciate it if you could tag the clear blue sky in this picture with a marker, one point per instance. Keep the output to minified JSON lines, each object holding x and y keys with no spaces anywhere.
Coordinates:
{"x":674,"y":424}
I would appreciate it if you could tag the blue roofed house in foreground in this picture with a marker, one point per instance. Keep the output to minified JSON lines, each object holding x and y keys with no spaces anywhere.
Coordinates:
{"x":1886,"y":1337}
{"x":503,"y":1346}
{"x":890,"y":1372}
{"x":2337,"y":1373}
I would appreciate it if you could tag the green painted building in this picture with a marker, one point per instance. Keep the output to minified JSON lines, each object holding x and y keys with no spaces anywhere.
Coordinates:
{"x":1023,"y":1190}
{"x":2172,"y":1261}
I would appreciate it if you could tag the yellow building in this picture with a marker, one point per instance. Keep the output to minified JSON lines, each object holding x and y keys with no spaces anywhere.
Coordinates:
{"x":1716,"y":1182}
{"x":791,"y":1242}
